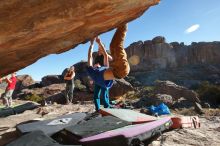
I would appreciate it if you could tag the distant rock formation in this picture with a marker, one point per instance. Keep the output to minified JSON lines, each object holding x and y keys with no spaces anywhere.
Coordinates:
{"x":157,"y":54}
{"x":186,"y":64}
{"x":32,"y":29}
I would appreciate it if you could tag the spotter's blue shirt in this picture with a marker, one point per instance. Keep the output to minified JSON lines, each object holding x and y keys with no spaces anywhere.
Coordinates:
{"x":96,"y":73}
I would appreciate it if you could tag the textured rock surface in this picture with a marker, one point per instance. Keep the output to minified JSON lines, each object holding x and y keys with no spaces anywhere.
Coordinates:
{"x":176,"y":91}
{"x":31,"y":29}
{"x":119,"y":88}
{"x":157,"y":54}
{"x":52,"y":92}
{"x":155,"y":100}
{"x":170,"y":88}
{"x":51,"y":79}
{"x":207,"y":135}
{"x":186,"y":65}
{"x":23,"y":81}
{"x":163,"y":98}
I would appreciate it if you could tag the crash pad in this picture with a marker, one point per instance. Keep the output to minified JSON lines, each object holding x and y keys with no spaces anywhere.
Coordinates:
{"x":4,"y":112}
{"x":52,"y":126}
{"x":127,"y":115}
{"x":129,"y":135}
{"x":92,"y":127}
{"x":35,"y":138}
{"x":27,"y":106}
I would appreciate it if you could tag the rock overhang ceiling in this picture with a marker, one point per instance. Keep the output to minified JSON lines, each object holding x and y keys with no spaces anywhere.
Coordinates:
{"x":30,"y":30}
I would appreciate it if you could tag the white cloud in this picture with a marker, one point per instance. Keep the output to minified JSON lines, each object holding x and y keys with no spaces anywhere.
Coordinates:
{"x":192,"y":28}
{"x":212,"y":11}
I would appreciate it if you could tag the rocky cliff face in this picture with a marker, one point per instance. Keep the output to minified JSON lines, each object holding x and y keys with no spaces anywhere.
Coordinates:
{"x":31,"y":29}
{"x":175,"y":61}
{"x":157,"y":54}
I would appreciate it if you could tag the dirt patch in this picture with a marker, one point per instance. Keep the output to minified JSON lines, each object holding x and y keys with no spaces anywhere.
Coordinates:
{"x":204,"y":136}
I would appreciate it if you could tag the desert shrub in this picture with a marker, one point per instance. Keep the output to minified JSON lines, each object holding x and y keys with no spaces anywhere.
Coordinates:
{"x":209,"y":93}
{"x":79,"y":85}
{"x":34,"y":97}
{"x":149,"y":88}
{"x":1,"y":91}
{"x":143,"y":91}
{"x":157,"y":81}
{"x":131,"y":95}
{"x":148,"y":91}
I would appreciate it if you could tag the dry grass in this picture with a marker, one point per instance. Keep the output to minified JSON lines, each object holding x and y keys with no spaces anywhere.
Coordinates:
{"x":191,"y":112}
{"x":1,"y":91}
{"x":212,"y":112}
{"x":143,"y":91}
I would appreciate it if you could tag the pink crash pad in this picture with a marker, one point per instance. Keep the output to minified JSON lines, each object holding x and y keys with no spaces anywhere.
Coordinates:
{"x":127,"y":135}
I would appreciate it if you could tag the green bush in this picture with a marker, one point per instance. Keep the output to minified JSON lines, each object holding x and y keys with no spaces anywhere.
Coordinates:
{"x":209,"y":93}
{"x":131,"y":95}
{"x":79,"y":85}
{"x":34,"y":97}
{"x":149,"y":88}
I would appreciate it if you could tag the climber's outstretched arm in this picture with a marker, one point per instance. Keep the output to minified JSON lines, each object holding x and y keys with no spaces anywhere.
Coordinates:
{"x":103,"y":52}
{"x":90,"y":51}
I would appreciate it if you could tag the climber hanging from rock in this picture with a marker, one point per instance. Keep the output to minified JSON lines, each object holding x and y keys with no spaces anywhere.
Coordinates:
{"x":119,"y":67}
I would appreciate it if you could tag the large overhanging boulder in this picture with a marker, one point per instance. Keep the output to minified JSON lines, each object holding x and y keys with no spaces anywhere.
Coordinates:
{"x":32,"y":29}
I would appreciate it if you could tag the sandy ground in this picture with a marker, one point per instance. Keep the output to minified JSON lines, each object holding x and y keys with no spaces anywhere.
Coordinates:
{"x":207,"y":135}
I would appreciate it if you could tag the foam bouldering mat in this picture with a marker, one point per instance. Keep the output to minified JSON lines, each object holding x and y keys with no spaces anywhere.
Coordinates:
{"x":131,"y":135}
{"x":93,"y":127}
{"x":128,"y":115}
{"x":35,"y":138}
{"x":27,"y":106}
{"x":4,"y":112}
{"x":52,"y":126}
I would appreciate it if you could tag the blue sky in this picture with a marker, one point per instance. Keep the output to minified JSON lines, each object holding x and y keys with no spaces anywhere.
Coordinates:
{"x":177,"y":20}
